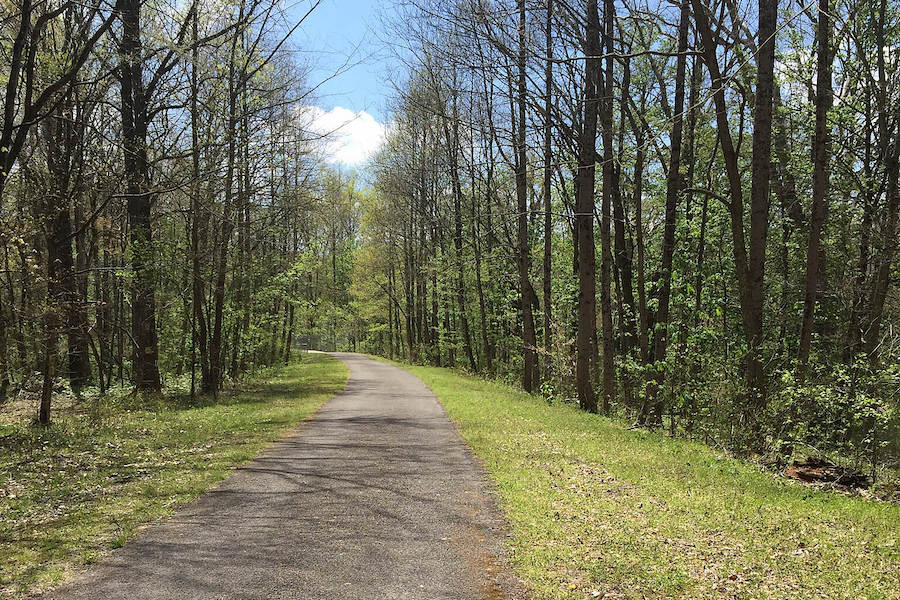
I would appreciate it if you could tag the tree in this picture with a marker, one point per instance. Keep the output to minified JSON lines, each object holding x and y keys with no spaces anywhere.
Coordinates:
{"x":530,"y":371}
{"x":30,"y":99}
{"x":584,"y":213}
{"x":749,"y":265}
{"x":821,"y":159}
{"x":653,"y":412}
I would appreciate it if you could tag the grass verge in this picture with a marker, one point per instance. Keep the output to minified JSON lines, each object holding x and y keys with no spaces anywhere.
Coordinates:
{"x":75,"y":490}
{"x":600,"y":511}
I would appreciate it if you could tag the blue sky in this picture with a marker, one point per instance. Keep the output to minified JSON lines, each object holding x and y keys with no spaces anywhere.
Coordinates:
{"x":345,"y":35}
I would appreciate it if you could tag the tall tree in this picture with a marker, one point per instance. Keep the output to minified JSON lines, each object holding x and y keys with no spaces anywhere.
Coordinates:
{"x":821,"y":155}
{"x":584,"y":213}
{"x":140,"y":196}
{"x":609,"y":189}
{"x":530,"y":373}
{"x":547,"y":184}
{"x":29,"y":97}
{"x":750,"y":266}
{"x":889,"y":149}
{"x":653,"y":413}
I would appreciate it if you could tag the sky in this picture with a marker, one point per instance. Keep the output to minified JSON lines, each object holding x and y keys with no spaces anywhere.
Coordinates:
{"x":343,"y":41}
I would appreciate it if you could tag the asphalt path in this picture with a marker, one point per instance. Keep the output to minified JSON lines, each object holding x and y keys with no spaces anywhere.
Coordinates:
{"x":375,"y":497}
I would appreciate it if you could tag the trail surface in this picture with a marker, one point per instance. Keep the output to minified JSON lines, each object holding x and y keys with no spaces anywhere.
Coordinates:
{"x":376,"y":497}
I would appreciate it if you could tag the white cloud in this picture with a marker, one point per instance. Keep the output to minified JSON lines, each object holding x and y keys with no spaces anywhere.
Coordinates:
{"x":348,"y":137}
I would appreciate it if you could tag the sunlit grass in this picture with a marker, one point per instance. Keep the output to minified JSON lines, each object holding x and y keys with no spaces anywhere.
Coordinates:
{"x":71,"y":492}
{"x":598,"y":510}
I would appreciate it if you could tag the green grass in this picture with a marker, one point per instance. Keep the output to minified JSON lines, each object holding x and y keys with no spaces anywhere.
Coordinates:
{"x":597,"y":510}
{"x":73,"y":491}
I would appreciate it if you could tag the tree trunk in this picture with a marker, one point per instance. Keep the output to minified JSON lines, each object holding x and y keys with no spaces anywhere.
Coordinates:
{"x":62,"y":165}
{"x":452,"y":135}
{"x":530,"y":374}
{"x":821,"y":158}
{"x":548,"y":199}
{"x":216,"y":351}
{"x":135,"y":120}
{"x":476,"y":246}
{"x":584,"y":215}
{"x":78,"y":347}
{"x":653,"y":415}
{"x":750,"y":271}
{"x":760,"y":178}
{"x":622,"y":246}
{"x":890,"y":150}
{"x":4,"y":352}
{"x":199,"y":223}
{"x":857,"y":308}
{"x":638,"y":201}
{"x":609,"y":185}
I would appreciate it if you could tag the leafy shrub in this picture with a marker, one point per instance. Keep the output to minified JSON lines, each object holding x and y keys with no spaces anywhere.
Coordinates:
{"x":851,"y":410}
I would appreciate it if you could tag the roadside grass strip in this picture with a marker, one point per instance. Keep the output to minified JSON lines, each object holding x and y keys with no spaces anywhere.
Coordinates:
{"x":71,"y":492}
{"x":600,"y":511}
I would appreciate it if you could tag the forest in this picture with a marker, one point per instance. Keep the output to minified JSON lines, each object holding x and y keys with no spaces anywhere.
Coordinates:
{"x":683,"y":214}
{"x":598,"y":299}
{"x":164,"y":198}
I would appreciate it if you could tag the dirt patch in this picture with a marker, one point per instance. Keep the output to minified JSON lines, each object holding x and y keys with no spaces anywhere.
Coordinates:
{"x":824,"y":473}
{"x":479,"y":541}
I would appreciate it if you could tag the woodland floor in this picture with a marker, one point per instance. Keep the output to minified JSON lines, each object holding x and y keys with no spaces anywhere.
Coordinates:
{"x":600,"y":511}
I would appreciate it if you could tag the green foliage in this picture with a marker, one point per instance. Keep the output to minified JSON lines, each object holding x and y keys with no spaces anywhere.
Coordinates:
{"x":850,"y":411}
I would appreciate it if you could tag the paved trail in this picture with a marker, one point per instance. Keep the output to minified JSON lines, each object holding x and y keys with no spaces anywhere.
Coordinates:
{"x":376,"y":497}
